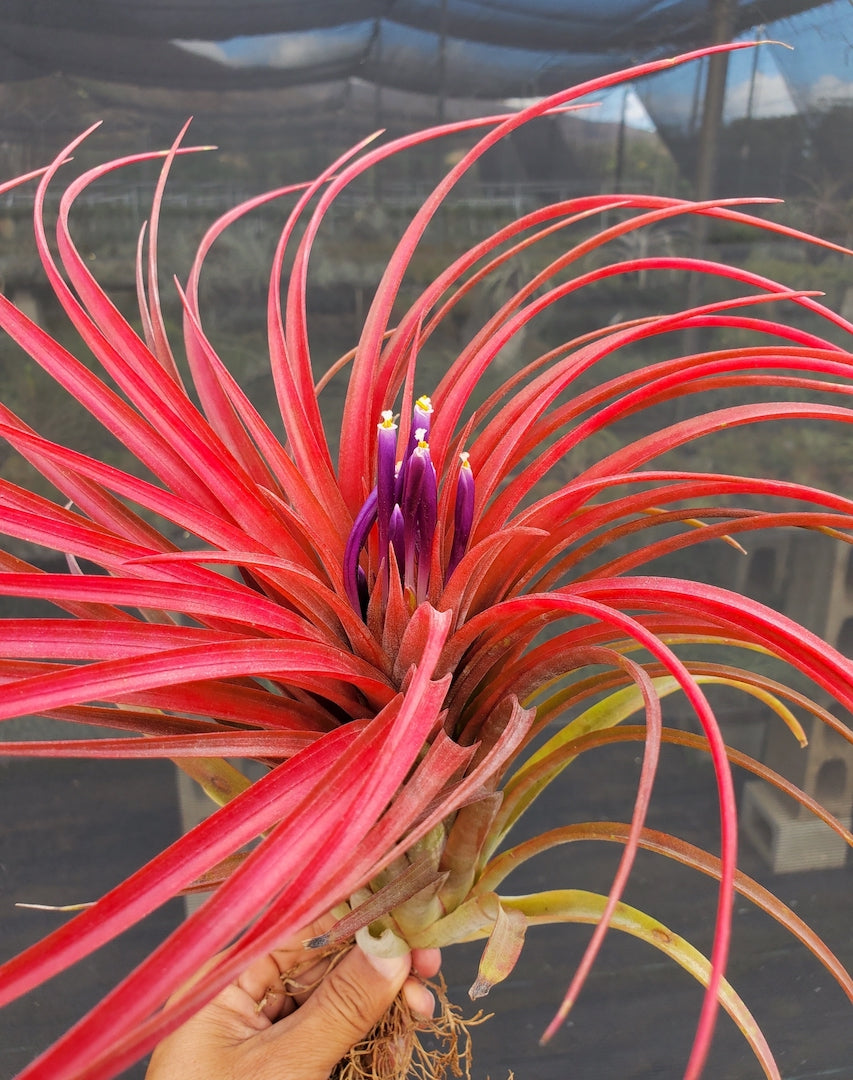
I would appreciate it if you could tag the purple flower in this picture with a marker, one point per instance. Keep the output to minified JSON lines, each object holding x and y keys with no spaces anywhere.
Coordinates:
{"x":404,"y":508}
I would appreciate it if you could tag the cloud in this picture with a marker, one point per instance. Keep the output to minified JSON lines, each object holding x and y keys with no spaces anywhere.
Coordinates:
{"x":210,"y":50}
{"x":288,"y":51}
{"x":770,"y":97}
{"x":830,"y":90}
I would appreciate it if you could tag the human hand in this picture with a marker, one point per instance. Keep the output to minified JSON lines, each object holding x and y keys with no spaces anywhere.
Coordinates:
{"x":256,"y":1030}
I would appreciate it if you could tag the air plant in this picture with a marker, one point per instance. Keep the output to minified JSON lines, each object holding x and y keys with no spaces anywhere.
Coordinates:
{"x":371,"y":630}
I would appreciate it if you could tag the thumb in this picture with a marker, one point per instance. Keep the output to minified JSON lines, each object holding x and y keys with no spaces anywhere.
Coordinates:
{"x":340,"y":1012}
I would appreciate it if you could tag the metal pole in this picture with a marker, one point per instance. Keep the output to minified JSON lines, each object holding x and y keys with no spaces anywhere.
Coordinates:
{"x":722,"y":28}
{"x":619,"y":165}
{"x":379,"y":120}
{"x":722,"y":14}
{"x":441,"y":101}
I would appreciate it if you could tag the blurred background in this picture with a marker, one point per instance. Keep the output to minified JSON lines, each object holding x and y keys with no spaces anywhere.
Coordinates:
{"x":280,"y":87}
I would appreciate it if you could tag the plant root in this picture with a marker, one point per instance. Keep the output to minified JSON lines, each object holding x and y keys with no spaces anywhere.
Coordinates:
{"x":403,"y":1046}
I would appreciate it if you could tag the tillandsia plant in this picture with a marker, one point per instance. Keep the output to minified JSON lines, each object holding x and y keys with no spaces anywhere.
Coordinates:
{"x":371,"y":631}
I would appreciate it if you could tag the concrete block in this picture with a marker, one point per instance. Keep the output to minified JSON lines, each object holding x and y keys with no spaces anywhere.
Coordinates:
{"x":787,"y":841}
{"x":823,"y":769}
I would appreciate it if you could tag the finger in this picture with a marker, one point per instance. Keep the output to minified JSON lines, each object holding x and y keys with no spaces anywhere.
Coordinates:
{"x":264,"y":979}
{"x":426,"y":962}
{"x":342,"y":1010}
{"x":283,"y":980}
{"x":293,"y":964}
{"x":419,"y":998}
{"x":262,"y":988}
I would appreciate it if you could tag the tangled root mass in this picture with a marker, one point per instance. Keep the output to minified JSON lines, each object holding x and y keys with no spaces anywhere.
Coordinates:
{"x":403,"y":1046}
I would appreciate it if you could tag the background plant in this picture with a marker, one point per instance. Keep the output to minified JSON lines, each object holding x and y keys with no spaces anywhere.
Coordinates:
{"x":415,"y":639}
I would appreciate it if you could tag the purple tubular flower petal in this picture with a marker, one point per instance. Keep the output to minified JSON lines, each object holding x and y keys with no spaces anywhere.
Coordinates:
{"x":363,"y":590}
{"x":421,"y":422}
{"x":355,"y":542}
{"x":410,"y":507}
{"x":422,"y":416}
{"x":386,"y":454}
{"x":427,"y":516}
{"x":400,"y":477}
{"x":463,"y":514}
{"x":396,"y":534}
